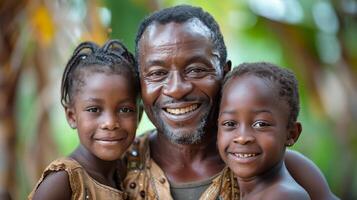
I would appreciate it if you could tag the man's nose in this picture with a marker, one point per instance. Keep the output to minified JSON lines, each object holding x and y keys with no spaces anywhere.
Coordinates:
{"x":110,"y":121}
{"x":176,"y":86}
{"x":244,"y":135}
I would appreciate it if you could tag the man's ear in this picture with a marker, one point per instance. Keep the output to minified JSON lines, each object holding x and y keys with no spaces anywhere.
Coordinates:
{"x":71,"y":117}
{"x":227,"y":67}
{"x":293,"y":134}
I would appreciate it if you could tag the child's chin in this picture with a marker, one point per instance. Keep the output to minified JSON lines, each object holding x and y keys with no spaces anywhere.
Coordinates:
{"x":241,"y":172}
{"x":110,"y":158}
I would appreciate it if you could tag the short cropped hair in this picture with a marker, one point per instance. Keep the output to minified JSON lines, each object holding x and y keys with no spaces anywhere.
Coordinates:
{"x":284,"y":79}
{"x":181,"y":14}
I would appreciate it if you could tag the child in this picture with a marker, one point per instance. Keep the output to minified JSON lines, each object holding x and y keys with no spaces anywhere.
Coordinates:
{"x":257,"y":121}
{"x":99,"y":92}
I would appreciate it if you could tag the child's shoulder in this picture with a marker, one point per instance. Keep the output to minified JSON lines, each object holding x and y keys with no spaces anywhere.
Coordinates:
{"x":286,"y":190}
{"x":54,"y":182}
{"x":64,"y":163}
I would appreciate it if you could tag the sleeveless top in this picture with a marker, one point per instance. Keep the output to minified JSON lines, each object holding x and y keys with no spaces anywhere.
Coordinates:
{"x":146,"y":180}
{"x":82,"y":185}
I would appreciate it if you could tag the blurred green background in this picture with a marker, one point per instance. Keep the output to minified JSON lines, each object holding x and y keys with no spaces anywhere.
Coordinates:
{"x":317,"y":39}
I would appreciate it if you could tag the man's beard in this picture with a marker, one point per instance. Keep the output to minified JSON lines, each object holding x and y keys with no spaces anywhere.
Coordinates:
{"x":182,"y":137}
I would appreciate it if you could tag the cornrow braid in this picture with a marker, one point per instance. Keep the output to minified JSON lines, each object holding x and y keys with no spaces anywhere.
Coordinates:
{"x":73,"y":62}
{"x":112,"y":57}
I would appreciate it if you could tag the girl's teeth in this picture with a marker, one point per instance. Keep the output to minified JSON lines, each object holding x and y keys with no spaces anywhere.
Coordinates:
{"x":244,"y":155}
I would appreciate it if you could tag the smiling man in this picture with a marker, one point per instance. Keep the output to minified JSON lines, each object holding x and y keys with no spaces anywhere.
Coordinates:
{"x":182,"y":60}
{"x":180,"y":78}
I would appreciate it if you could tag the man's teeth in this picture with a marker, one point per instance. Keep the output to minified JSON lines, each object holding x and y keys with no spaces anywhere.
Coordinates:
{"x":179,"y":111}
{"x":244,"y":155}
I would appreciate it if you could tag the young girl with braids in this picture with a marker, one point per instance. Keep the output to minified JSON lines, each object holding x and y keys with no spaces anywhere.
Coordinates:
{"x":99,"y":92}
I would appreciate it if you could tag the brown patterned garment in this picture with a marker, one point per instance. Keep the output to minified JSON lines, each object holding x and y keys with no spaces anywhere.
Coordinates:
{"x":146,"y":180}
{"x":82,"y":185}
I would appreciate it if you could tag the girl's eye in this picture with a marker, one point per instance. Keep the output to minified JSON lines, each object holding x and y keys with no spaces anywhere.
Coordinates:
{"x":93,"y":109}
{"x":229,"y":124}
{"x":125,"y":110}
{"x":260,"y":124}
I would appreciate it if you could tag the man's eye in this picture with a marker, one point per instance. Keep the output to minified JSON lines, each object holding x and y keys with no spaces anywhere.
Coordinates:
{"x":93,"y":109}
{"x":261,"y":124}
{"x":157,"y":74}
{"x":196,"y":72}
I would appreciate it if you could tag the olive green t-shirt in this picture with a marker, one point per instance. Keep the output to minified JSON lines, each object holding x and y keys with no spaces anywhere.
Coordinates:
{"x":190,"y":191}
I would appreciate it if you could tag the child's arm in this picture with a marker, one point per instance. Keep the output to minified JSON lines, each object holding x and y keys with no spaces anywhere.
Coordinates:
{"x":54,"y":186}
{"x":308,"y":175}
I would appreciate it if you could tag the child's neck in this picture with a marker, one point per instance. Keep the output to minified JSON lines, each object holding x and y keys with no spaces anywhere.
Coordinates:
{"x":102,"y":171}
{"x":254,"y":185}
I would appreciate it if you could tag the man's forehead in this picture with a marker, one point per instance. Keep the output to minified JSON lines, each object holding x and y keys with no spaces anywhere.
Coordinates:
{"x":193,"y":27}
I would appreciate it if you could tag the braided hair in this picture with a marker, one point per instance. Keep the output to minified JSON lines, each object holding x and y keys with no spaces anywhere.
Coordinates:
{"x":112,"y":58}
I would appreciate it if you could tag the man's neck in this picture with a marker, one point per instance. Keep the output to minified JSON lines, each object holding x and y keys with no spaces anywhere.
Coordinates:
{"x":186,"y":162}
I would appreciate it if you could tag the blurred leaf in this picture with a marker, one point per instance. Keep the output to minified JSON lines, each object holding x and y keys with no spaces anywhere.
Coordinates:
{"x":43,"y":25}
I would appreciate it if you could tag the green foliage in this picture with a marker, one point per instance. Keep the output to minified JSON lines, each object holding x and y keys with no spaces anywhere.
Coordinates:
{"x":249,"y":37}
{"x":126,"y":16}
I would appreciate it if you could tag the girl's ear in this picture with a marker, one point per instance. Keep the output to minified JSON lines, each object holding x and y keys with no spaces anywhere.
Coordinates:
{"x":71,"y":117}
{"x":293,"y":134}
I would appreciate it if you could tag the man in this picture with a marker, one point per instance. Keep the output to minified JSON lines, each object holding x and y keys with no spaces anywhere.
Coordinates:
{"x":182,"y":60}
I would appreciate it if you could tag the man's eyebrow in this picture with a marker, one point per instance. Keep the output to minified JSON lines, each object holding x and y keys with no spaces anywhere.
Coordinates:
{"x":196,"y":58}
{"x":155,"y":62}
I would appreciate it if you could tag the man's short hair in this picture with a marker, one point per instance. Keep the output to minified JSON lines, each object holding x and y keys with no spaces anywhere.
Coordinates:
{"x":181,"y":14}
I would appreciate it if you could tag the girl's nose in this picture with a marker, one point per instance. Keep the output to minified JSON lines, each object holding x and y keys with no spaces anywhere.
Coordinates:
{"x":110,"y":122}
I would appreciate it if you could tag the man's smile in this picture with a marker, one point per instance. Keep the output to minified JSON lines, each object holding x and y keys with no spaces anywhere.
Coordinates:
{"x":182,"y":110}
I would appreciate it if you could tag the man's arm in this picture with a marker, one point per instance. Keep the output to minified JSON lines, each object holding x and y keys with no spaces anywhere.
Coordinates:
{"x":308,"y":175}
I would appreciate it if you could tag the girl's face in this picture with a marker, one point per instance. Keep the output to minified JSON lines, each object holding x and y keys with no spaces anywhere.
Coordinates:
{"x":105,"y":114}
{"x":252,"y":126}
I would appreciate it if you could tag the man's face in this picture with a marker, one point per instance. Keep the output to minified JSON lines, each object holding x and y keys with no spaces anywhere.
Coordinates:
{"x":180,"y":78}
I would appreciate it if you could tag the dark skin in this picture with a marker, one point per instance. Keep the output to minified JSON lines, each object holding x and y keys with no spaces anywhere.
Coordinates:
{"x":252,"y":136}
{"x":102,"y":171}
{"x":106,"y":122}
{"x":173,"y":73}
{"x":178,"y":63}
